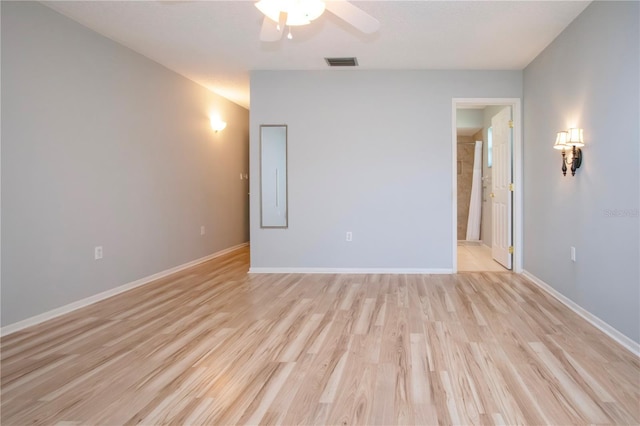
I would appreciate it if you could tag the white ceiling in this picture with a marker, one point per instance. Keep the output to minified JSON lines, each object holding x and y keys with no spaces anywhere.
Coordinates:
{"x":216,"y":43}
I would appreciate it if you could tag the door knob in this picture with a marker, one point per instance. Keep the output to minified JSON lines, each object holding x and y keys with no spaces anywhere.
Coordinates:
{"x":492,"y":195}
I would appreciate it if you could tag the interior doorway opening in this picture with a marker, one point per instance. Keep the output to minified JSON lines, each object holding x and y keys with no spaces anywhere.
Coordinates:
{"x":486,"y":148}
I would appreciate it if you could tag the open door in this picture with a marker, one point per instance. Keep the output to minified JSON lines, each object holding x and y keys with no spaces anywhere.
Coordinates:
{"x":501,"y":189}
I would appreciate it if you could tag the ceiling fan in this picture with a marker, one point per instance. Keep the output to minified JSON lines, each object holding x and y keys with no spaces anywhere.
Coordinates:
{"x":279,"y":14}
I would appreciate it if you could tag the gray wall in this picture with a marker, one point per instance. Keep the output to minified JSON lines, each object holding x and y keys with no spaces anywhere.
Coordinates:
{"x":469,"y":118}
{"x":101,"y":146}
{"x":588,"y":77}
{"x":369,"y":152}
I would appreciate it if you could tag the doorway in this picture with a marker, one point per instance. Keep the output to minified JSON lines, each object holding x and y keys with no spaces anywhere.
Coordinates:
{"x":487,"y":197}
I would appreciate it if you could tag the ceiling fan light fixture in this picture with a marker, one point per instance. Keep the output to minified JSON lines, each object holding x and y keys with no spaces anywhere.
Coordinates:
{"x":299,"y":12}
{"x":311,"y":9}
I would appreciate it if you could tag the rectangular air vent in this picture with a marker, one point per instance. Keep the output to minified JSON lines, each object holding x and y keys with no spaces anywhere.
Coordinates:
{"x":342,"y":62}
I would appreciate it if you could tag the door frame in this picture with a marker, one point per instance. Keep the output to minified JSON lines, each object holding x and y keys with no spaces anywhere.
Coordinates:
{"x":517,"y":206}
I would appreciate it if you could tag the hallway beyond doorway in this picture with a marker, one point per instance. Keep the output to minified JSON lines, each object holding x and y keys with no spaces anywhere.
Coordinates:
{"x":473,"y":256}
{"x":510,"y":231}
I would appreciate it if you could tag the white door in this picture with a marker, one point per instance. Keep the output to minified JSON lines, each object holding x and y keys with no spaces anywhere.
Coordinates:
{"x":501,"y":180}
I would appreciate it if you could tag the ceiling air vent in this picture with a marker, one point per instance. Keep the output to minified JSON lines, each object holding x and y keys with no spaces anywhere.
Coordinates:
{"x":342,"y":62}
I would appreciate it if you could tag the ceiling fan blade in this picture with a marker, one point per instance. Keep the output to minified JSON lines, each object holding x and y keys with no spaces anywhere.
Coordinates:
{"x":353,"y":15}
{"x":272,"y":31}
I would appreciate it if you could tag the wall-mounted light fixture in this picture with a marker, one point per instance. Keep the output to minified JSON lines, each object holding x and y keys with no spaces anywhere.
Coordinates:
{"x":217,"y":124}
{"x":570,"y":143}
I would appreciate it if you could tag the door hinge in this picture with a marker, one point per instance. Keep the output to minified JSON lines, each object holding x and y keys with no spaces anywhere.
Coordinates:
{"x":510,"y":249}
{"x":511,"y":124}
{"x":511,"y":187}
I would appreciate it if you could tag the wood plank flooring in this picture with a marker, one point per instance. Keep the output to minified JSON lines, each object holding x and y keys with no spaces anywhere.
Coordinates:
{"x":213,"y":345}
{"x":476,"y":258}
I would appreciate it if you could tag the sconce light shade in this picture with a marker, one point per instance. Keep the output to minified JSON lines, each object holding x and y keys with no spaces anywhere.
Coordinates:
{"x":574,"y":138}
{"x":217,"y":124}
{"x":570,"y":142}
{"x":561,"y":140}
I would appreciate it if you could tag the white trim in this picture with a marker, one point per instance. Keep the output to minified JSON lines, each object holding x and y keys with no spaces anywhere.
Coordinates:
{"x":516,"y":105}
{"x":16,"y":326}
{"x":454,"y":183}
{"x":625,"y":341}
{"x":391,"y":271}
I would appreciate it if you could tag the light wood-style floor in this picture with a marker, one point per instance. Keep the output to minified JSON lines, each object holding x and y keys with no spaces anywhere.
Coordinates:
{"x":213,"y":345}
{"x":477,"y":258}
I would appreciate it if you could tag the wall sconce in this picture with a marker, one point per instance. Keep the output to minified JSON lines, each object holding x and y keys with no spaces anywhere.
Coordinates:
{"x":217,"y":124}
{"x":570,"y":143}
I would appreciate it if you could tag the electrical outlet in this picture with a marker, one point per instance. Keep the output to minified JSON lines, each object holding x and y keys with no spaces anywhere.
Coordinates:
{"x":573,"y":254}
{"x":97,"y":253}
{"x":202,"y":230}
{"x":349,"y":236}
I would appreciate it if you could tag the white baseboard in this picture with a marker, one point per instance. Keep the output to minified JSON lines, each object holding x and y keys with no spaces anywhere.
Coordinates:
{"x":625,"y":341}
{"x":17,"y":326}
{"x":391,"y":271}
